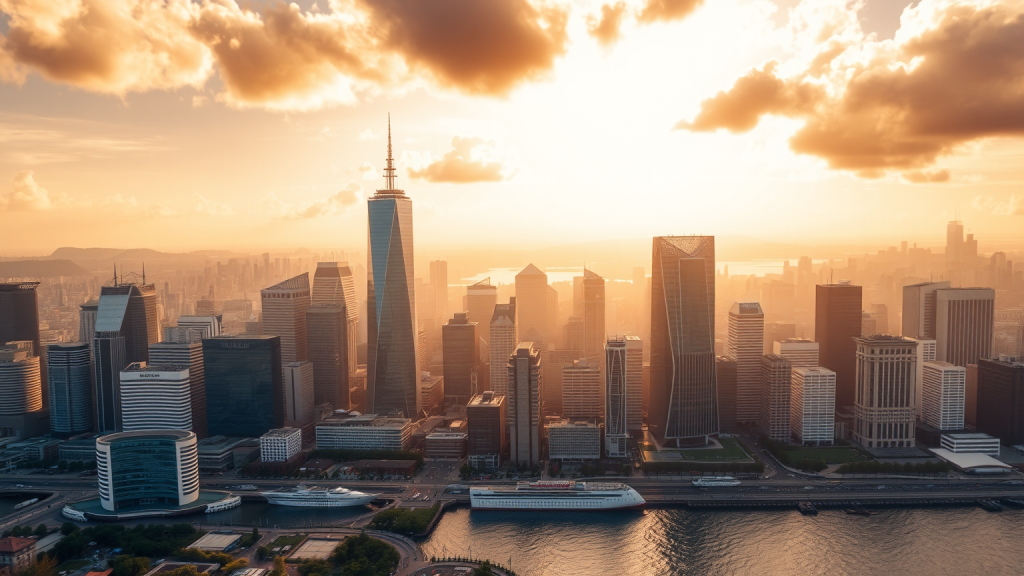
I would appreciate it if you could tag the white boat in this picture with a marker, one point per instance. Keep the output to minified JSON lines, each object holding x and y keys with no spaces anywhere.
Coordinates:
{"x":232,"y":501}
{"x":715,"y":481}
{"x":556,"y":495}
{"x":314,"y":496}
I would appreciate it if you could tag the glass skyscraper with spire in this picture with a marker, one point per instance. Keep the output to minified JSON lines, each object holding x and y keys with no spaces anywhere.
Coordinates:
{"x":392,"y":370}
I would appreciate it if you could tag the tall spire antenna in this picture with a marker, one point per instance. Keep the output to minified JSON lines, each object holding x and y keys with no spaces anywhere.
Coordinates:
{"x":115,"y":274}
{"x":389,"y":172}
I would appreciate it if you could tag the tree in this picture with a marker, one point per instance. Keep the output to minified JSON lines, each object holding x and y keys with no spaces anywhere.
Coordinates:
{"x":262,"y":552}
{"x":187,"y":570}
{"x":125,"y":565}
{"x":43,"y":567}
{"x":235,"y":565}
{"x":68,"y":528}
{"x":314,"y":566}
{"x":41,"y":530}
{"x":279,"y":569}
{"x":484,"y":570}
{"x":255,"y":534}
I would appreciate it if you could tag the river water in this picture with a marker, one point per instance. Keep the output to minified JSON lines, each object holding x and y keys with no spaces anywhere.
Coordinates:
{"x":917,"y":541}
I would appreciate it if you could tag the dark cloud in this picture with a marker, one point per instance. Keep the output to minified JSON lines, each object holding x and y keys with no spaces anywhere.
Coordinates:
{"x":958,"y":76}
{"x":459,"y":167}
{"x":476,"y":46}
{"x":606,"y":29}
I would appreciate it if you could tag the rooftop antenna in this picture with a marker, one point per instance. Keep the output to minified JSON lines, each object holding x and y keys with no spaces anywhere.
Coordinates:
{"x":115,"y":274}
{"x":143,"y":272}
{"x":389,"y":172}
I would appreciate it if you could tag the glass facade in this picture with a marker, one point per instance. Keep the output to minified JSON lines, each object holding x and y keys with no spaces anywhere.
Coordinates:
{"x":326,"y":329}
{"x":145,"y":468}
{"x":244,"y":385}
{"x":70,"y":387}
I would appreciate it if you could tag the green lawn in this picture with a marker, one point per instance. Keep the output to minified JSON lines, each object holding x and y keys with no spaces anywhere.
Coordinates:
{"x":71,"y":566}
{"x":729,"y":452}
{"x":834,"y":455}
{"x":282,"y":541}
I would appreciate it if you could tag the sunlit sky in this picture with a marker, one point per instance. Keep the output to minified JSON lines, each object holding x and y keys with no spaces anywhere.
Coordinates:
{"x":213,"y":125}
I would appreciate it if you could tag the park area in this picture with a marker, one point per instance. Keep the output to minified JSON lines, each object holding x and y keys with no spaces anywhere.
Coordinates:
{"x":831,"y":455}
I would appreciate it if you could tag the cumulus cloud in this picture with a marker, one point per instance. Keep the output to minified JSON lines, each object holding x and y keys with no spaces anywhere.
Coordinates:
{"x":606,"y":28}
{"x":1012,"y":206}
{"x":333,"y":204}
{"x":953,"y":74}
{"x":667,"y":10}
{"x":367,"y":171}
{"x":926,"y":176}
{"x":25,"y":195}
{"x":477,"y":47}
{"x":469,"y":160}
{"x":203,"y":205}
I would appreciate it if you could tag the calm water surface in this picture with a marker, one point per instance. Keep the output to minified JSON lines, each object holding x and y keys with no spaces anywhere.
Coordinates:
{"x":932,"y":542}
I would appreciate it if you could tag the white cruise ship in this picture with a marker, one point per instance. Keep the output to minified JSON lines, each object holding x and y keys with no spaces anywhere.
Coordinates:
{"x":314,"y":496}
{"x":556,"y":495}
{"x":715,"y":481}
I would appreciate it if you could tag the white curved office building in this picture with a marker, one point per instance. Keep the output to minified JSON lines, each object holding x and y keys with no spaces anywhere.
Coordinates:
{"x":147,"y":469}
{"x":156,"y":397}
{"x":21,"y":387}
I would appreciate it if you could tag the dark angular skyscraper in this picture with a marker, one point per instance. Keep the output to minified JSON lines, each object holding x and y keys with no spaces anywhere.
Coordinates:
{"x":837,"y":321}
{"x":70,"y":385}
{"x":244,"y":385}
{"x":684,"y":403}
{"x":19,"y":319}
{"x":461,"y":347}
{"x":392,"y":362}
{"x":329,"y":352}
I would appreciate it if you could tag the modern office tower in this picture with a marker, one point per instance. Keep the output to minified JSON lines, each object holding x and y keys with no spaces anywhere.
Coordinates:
{"x":552,"y":362}
{"x":955,"y":247}
{"x":1001,"y":399}
{"x":439,"y":280}
{"x":570,"y":440}
{"x":746,"y":337}
{"x":684,"y":403}
{"x":964,"y":324}
{"x":298,"y":393}
{"x":70,"y":382}
{"x":582,"y":390}
{"x":392,"y":369}
{"x":884,"y":407}
{"x":800,"y":352}
{"x":575,"y":334}
{"x":461,"y":348}
{"x":504,"y":337}
{"x":594,"y":334}
{"x":525,"y":391}
{"x":21,"y":386}
{"x":775,"y":397}
{"x":244,"y":385}
{"x":212,"y":325}
{"x":919,"y":309}
{"x":971,"y":396}
{"x":837,"y":321}
{"x":532,"y":301}
{"x":868,"y":326}
{"x":812,"y":401}
{"x":147,"y":468}
{"x":327,"y":334}
{"x":188,"y":353}
{"x":334,"y":284}
{"x":284,"y":315}
{"x":925,"y":353}
{"x":486,"y":417}
{"x":725,"y":376}
{"x":943,"y":395}
{"x":623,"y":393}
{"x":880,"y":312}
{"x":19,"y":314}
{"x":126,"y":324}
{"x":87,"y":321}
{"x":280,"y":444}
{"x":155,"y":397}
{"x":481,"y":298}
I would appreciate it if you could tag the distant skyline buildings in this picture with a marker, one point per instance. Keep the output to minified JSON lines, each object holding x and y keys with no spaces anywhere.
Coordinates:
{"x":284,"y":314}
{"x":504,"y":338}
{"x":533,"y":317}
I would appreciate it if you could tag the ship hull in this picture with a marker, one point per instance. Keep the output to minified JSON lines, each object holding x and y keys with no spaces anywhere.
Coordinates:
{"x":489,"y":500}
{"x":321,"y":504}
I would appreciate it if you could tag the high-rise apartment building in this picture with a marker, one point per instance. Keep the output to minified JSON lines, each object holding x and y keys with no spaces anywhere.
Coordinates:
{"x":919,"y":309}
{"x":244,"y":385}
{"x":683,"y":405}
{"x":155,"y":397}
{"x":837,"y":321}
{"x":461,"y":348}
{"x":327,"y":333}
{"x":775,"y":397}
{"x":392,"y":363}
{"x":532,"y":300}
{"x":623,"y":408}
{"x":925,"y":353}
{"x":884,"y":408}
{"x":70,"y":382}
{"x":593,"y":316}
{"x":812,"y":405}
{"x":582,"y":390}
{"x":188,"y":353}
{"x":284,"y":315}
{"x":334,"y":284}
{"x":486,"y":417}
{"x":481,"y":298}
{"x":943,"y":394}
{"x":21,"y":386}
{"x":1000,"y":404}
{"x":525,"y":405}
{"x":800,"y":352}
{"x":725,"y":376}
{"x":19,"y":316}
{"x":504,"y":337}
{"x":87,"y":321}
{"x":746,"y":337}
{"x":439,"y":280}
{"x":964,"y":324}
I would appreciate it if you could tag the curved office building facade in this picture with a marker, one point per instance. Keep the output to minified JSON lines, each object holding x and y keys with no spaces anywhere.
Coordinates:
{"x":70,"y":388}
{"x":146,"y":468}
{"x":21,"y":388}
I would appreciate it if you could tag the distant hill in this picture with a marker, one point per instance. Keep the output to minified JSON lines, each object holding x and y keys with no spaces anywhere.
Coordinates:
{"x":40,"y":269}
{"x":108,"y":253}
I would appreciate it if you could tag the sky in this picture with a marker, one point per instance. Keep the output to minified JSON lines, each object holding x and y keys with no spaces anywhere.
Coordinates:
{"x":182,"y":125}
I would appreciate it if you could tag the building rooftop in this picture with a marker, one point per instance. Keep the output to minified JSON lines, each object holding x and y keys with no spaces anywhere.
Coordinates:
{"x":447,"y":434}
{"x":488,"y":398}
{"x":13,"y":544}
{"x":971,"y":461}
{"x":281,"y":432}
{"x":364,"y":420}
{"x":154,"y":434}
{"x":531,"y":270}
{"x":746,"y":308}
{"x":214,"y":541}
{"x":797,"y":341}
{"x":300,"y":282}
{"x":886,"y":338}
{"x":969,"y":436}
{"x":146,"y":367}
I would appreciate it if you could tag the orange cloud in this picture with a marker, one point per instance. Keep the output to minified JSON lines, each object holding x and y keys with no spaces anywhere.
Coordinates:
{"x":606,"y":29}
{"x":333,"y":204}
{"x":463,"y":164}
{"x":926,"y":176}
{"x":667,"y":10}
{"x":477,"y":47}
{"x":25,"y":195}
{"x":954,"y":74}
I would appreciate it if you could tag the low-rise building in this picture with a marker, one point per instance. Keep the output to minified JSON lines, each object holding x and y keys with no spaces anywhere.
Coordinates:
{"x":280,"y":444}
{"x":574,"y":440}
{"x":215,"y":542}
{"x":353,"y":431}
{"x":217,"y":453}
{"x":79,"y":450}
{"x":201,"y":567}
{"x":971,"y":442}
{"x":17,"y":553}
{"x":446,"y":445}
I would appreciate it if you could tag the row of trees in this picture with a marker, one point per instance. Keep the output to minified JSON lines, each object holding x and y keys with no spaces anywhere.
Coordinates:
{"x":405,"y":520}
{"x":26,"y":531}
{"x":702,"y":467}
{"x":782,"y":453}
{"x":876,"y":467}
{"x":152,"y":541}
